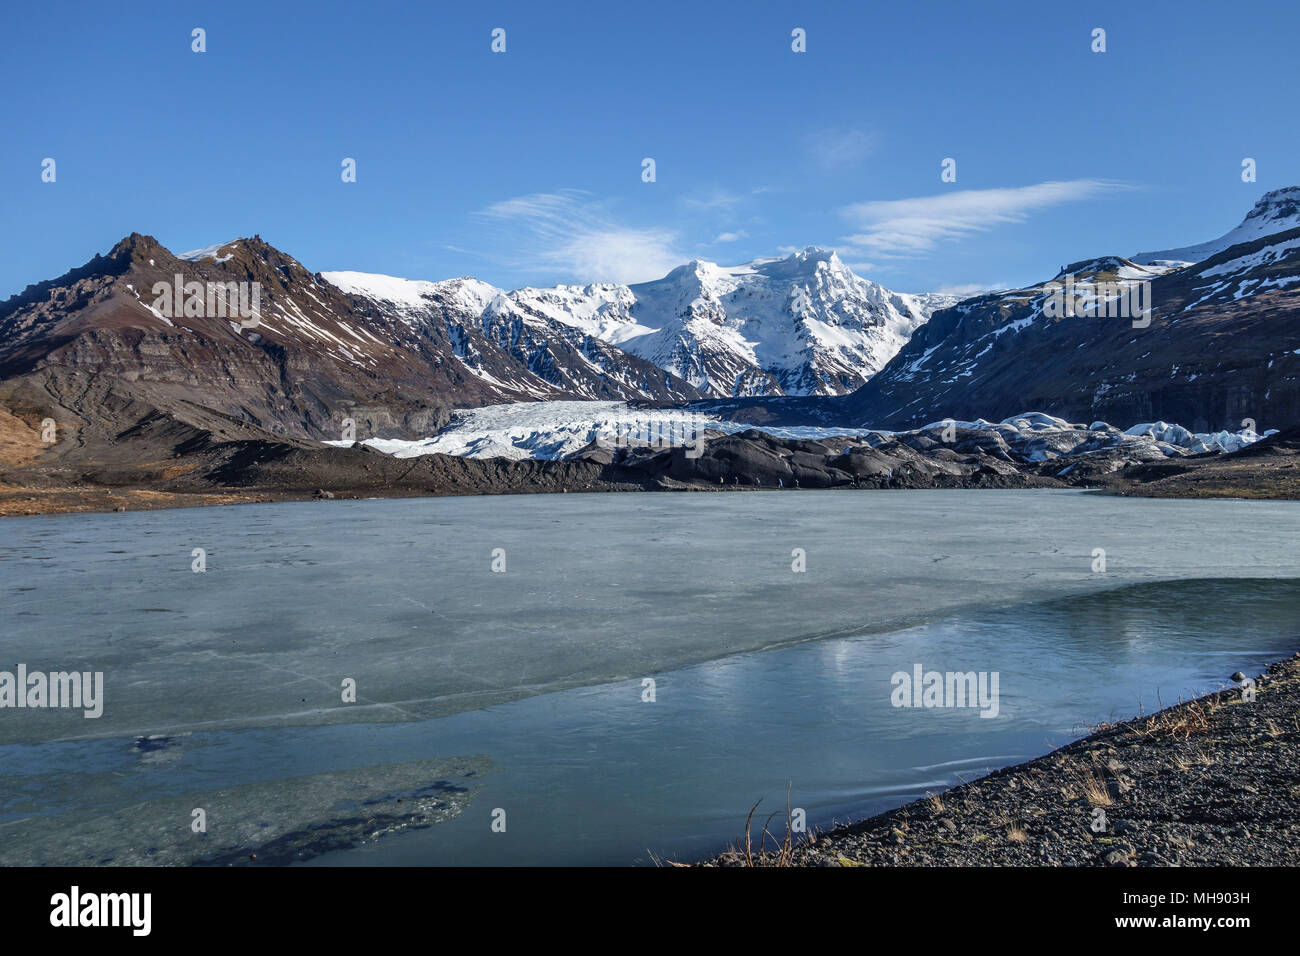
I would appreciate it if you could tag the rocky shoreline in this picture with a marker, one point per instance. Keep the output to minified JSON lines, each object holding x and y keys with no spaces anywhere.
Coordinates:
{"x":1214,"y":781}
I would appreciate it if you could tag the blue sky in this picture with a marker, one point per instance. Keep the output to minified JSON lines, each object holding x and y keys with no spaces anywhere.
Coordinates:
{"x":525,"y":167}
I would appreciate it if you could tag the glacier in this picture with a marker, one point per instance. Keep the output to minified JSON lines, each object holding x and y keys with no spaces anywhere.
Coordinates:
{"x":559,"y":430}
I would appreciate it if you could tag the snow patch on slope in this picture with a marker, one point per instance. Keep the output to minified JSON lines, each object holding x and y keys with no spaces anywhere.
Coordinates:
{"x":1276,"y":211}
{"x":207,"y":252}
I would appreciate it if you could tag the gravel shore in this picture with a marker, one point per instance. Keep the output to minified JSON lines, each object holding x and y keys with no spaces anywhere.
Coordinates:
{"x":1210,"y":782}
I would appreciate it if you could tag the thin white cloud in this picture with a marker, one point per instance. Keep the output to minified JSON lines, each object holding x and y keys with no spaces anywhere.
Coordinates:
{"x":966,"y":290}
{"x":620,"y":255}
{"x":568,"y":232}
{"x":730,"y":236}
{"x":717,"y":200}
{"x":836,"y":149}
{"x":910,"y":227}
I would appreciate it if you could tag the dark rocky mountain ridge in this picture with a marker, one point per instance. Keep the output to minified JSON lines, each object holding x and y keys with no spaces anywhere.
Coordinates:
{"x":315,"y":357}
{"x":1220,"y":348}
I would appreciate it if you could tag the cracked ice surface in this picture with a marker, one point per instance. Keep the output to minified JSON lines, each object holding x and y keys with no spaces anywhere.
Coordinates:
{"x":267,"y":822}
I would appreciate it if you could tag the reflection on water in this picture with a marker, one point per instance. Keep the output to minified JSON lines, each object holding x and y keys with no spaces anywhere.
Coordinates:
{"x":599,"y":775}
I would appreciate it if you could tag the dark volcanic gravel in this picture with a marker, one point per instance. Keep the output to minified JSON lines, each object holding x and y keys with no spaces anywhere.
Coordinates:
{"x":1212,"y":782}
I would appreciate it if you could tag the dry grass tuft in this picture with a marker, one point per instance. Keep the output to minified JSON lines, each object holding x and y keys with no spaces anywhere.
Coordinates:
{"x":782,"y":852}
{"x":1094,"y":789}
{"x":1178,"y":723}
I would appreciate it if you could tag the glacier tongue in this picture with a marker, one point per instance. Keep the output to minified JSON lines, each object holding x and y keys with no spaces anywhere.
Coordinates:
{"x":557,"y":430}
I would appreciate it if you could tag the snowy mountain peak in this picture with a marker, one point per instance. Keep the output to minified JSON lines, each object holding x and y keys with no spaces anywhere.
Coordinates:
{"x":697,"y":273}
{"x":813,"y":257}
{"x":804,"y":324}
{"x":806,"y":262}
{"x":1276,"y":211}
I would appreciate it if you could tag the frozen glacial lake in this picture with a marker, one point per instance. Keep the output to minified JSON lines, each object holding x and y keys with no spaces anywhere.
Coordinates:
{"x":523,"y":690}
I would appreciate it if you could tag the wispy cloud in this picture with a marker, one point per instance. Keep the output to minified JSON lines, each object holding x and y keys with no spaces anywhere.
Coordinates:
{"x":968,"y":289}
{"x":910,"y":227}
{"x":835,"y":149}
{"x":717,"y":200}
{"x":730,"y":236}
{"x":569,"y":232}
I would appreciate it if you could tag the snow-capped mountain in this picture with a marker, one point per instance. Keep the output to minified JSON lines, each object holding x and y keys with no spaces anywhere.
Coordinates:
{"x":562,"y":360}
{"x":1276,"y":211}
{"x":802,"y":325}
{"x":396,"y":356}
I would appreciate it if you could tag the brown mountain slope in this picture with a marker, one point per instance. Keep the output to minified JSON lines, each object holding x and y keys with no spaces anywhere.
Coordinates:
{"x":315,"y":356}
